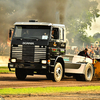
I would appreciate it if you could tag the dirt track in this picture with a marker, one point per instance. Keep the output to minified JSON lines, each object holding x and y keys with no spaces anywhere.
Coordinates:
{"x":9,"y":80}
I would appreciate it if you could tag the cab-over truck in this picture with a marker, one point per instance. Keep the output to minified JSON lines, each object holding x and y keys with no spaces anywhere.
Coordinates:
{"x":34,"y":51}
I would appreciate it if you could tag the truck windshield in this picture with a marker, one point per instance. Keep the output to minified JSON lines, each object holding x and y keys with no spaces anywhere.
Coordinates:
{"x":34,"y":32}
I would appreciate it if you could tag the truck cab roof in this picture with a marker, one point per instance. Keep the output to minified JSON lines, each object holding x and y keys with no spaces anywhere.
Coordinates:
{"x":40,"y":23}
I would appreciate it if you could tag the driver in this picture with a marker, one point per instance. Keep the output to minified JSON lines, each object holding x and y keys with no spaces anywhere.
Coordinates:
{"x":52,"y":35}
{"x":26,"y":33}
{"x":84,"y":53}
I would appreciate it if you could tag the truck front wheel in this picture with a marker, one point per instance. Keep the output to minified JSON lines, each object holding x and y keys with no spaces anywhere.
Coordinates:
{"x":20,"y":73}
{"x":58,"y":72}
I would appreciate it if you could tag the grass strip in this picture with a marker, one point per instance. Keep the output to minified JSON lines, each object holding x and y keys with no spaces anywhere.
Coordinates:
{"x":5,"y":67}
{"x":5,"y":70}
{"x":41,"y":90}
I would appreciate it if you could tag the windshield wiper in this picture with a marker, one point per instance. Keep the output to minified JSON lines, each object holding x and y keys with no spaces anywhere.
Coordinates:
{"x":18,"y":38}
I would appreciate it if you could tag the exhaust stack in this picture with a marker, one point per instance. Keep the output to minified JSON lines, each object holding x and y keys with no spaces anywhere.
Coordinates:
{"x":33,"y":20}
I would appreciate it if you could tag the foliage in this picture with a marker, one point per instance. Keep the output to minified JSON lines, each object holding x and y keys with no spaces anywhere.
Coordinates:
{"x":86,"y":40}
{"x":81,"y":14}
{"x":96,"y":35}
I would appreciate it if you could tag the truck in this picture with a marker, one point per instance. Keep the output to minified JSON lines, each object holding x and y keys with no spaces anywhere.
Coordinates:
{"x":34,"y":51}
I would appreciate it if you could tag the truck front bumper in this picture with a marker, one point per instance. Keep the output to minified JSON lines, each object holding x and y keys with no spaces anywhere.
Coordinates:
{"x":35,"y":66}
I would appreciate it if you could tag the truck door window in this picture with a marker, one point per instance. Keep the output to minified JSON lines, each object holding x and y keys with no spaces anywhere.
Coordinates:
{"x":55,"y":33}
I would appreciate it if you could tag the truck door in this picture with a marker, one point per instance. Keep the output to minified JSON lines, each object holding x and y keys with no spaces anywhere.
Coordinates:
{"x":57,"y":42}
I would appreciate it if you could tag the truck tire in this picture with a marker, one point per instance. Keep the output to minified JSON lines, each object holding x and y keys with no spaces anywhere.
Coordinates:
{"x":88,"y":72}
{"x":20,"y":73}
{"x":58,"y":72}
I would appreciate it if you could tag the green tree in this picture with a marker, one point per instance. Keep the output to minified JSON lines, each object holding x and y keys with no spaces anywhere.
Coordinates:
{"x":96,"y":35}
{"x":80,"y":15}
{"x":87,"y":40}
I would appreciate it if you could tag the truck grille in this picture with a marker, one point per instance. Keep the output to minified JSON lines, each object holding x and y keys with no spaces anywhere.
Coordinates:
{"x":17,"y":52}
{"x":39,"y":53}
{"x":29,"y":53}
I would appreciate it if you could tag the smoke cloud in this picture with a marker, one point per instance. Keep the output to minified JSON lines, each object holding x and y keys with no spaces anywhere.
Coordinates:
{"x":47,"y":10}
{"x":54,"y":11}
{"x":12,"y":11}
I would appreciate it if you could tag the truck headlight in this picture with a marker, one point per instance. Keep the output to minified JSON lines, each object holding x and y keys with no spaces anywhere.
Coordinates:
{"x":13,"y":60}
{"x":43,"y":61}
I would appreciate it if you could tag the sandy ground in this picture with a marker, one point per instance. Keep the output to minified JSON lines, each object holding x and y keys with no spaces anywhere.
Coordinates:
{"x":9,"y":80}
{"x":60,"y":96}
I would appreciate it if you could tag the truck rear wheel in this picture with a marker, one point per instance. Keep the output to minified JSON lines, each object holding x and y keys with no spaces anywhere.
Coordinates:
{"x":88,"y":72}
{"x":58,"y":72}
{"x":20,"y":73}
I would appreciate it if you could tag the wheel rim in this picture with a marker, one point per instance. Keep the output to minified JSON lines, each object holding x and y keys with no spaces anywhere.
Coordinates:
{"x":89,"y":73}
{"x":58,"y":72}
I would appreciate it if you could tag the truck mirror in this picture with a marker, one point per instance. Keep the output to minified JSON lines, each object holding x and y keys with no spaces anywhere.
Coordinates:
{"x":10,"y":33}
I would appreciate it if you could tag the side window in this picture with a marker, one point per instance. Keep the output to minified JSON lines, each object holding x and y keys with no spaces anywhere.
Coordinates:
{"x":55,"y":33}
